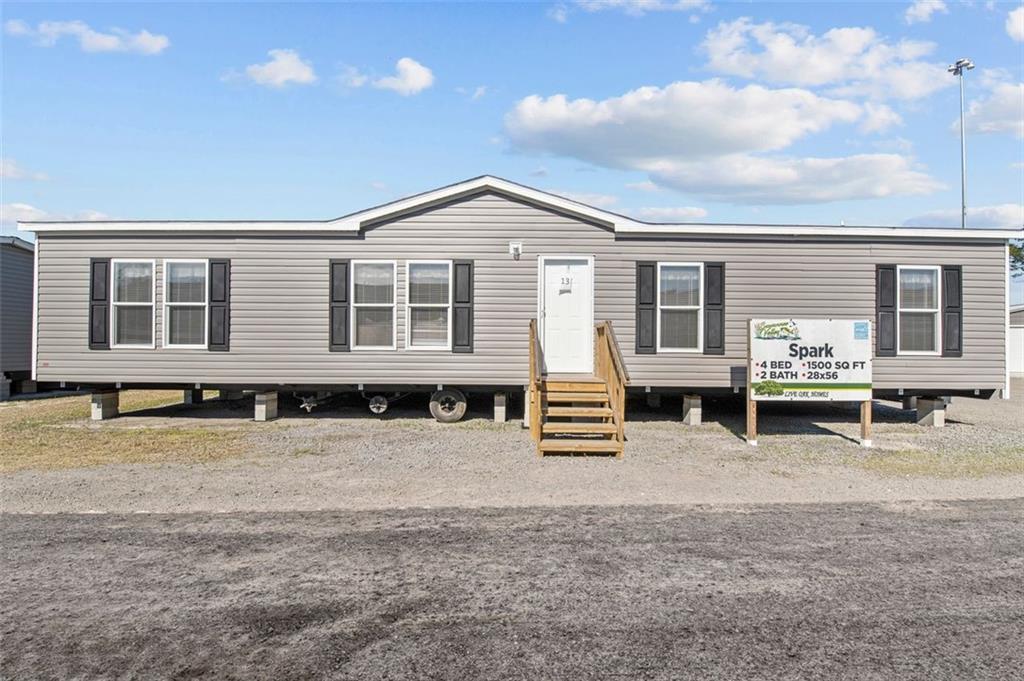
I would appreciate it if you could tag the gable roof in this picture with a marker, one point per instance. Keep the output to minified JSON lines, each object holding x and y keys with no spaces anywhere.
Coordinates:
{"x":15,"y":242}
{"x":354,"y":222}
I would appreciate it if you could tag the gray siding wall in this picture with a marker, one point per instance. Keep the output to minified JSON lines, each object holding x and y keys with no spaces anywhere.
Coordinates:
{"x":279,"y":304}
{"x":16,"y":265}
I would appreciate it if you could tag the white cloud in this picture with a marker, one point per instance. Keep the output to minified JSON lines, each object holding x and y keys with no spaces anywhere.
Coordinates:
{"x":559,"y":12}
{"x":853,"y":61}
{"x":9,"y":169}
{"x":742,"y":178}
{"x":352,"y":77}
{"x":284,"y":67}
{"x":1015,"y":24}
{"x":48,"y":33}
{"x":1006,"y":215}
{"x":645,"y":186}
{"x":474,"y":94}
{"x":921,"y":11}
{"x":589,"y":198}
{"x":11,"y":213}
{"x":17,"y":27}
{"x":378,"y":186}
{"x":640,"y":7}
{"x":1001,"y":112}
{"x":709,"y":139}
{"x":879,"y":118}
{"x":411,"y":77}
{"x":674,"y":214}
{"x":680,"y":121}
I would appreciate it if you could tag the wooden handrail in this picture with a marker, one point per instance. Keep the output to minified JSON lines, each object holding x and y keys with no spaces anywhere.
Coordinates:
{"x":536,"y":375}
{"x":609,"y":366}
{"x":616,"y":352}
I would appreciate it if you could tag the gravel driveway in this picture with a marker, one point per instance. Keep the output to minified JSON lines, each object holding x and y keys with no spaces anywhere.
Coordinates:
{"x":342,"y":458}
{"x":900,"y":591}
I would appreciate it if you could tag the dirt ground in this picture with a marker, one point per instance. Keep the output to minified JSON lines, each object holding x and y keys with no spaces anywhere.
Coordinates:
{"x":212,"y":457}
{"x":828,"y":591}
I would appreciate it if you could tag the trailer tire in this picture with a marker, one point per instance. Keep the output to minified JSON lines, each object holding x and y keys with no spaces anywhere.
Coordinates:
{"x":448,"y":406}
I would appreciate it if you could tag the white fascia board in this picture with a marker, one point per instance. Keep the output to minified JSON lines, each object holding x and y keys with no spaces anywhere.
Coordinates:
{"x":478,"y":184}
{"x":190,"y":226}
{"x":818,"y":230}
{"x":619,"y":223}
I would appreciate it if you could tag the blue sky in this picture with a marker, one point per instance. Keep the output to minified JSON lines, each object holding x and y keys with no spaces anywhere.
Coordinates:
{"x":673,"y":111}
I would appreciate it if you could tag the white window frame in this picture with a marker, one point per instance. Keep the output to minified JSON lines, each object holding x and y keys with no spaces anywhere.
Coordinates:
{"x":394,"y":305}
{"x":408,"y":305}
{"x":205,"y":304}
{"x":114,"y":262}
{"x":699,"y":308}
{"x":937,"y":310}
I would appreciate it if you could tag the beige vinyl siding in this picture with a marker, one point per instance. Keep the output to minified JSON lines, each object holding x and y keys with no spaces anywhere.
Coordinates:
{"x":16,"y":266}
{"x":279,"y":304}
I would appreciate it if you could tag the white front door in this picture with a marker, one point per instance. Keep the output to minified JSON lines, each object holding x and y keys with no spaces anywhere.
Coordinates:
{"x":567,"y":315}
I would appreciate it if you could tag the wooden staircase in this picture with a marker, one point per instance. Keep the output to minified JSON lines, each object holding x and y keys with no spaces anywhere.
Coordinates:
{"x":579,"y":414}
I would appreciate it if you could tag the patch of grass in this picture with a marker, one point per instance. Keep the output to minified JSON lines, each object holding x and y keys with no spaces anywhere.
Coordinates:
{"x":54,"y":434}
{"x":968,"y":464}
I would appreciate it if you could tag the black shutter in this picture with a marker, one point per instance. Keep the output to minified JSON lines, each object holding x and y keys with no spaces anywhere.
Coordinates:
{"x":714,"y":308}
{"x":99,"y":303}
{"x":339,"y":307}
{"x":220,"y":305}
{"x":646,"y":302}
{"x":885,"y":310}
{"x":952,"y":311}
{"x":462,"y":306}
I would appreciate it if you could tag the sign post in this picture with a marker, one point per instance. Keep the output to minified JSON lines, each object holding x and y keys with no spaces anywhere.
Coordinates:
{"x":809,"y":360}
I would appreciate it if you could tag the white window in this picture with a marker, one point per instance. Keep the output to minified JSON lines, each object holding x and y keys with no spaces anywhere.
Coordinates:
{"x":917,"y":331}
{"x":428,"y":303}
{"x":680,"y":299}
{"x":373,"y":304}
{"x":133,"y":285}
{"x":185,"y":291}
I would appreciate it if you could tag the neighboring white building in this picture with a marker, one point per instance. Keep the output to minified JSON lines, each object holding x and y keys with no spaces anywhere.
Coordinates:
{"x":1015,"y":341}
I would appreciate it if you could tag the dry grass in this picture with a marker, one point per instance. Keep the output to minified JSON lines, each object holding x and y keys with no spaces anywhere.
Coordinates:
{"x":55,"y":433}
{"x":917,"y":462}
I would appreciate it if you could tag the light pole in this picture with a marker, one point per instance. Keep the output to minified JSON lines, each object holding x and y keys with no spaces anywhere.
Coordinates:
{"x":958,"y":69}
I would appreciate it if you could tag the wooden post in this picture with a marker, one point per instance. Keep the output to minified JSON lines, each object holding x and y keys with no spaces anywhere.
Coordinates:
{"x":751,"y":404}
{"x":751,"y":422}
{"x":865,"y":423}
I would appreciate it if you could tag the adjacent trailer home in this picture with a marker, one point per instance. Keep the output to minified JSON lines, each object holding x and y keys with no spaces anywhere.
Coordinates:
{"x":16,"y":267}
{"x":488,"y":285}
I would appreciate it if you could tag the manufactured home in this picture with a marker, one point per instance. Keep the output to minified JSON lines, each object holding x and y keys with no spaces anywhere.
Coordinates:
{"x":492,"y":286}
{"x":16,"y":266}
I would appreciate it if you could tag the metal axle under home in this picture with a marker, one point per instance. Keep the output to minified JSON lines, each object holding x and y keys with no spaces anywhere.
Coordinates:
{"x":491,"y":286}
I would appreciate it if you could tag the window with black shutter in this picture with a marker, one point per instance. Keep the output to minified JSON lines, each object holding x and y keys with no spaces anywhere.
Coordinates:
{"x":220,"y":305}
{"x":714,"y":308}
{"x":646,"y":307}
{"x":462,"y":306}
{"x":952,"y":311}
{"x":885,"y":310}
{"x":99,"y":304}
{"x":339,"y":306}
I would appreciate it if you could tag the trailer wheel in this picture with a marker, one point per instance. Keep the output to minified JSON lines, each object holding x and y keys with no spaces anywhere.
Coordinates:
{"x":448,"y":406}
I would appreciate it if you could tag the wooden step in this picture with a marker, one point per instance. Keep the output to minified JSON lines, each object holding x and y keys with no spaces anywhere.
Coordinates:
{"x":559,"y":427}
{"x":578,"y":411}
{"x":575,"y":386}
{"x":578,"y":445}
{"x":576,"y":397}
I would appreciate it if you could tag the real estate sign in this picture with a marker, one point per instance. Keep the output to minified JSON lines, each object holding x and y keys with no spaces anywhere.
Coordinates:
{"x":810,"y":359}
